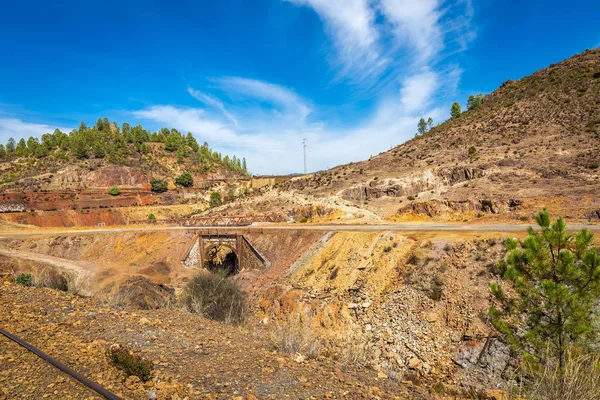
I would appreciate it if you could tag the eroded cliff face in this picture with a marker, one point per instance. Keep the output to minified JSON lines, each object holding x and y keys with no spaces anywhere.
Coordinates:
{"x":430,"y":180}
{"x":412,"y":308}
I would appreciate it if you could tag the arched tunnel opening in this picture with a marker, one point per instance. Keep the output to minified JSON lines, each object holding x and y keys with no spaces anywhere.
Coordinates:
{"x":222,"y":259}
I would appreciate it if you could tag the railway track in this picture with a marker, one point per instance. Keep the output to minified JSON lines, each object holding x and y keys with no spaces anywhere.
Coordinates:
{"x":78,"y":377}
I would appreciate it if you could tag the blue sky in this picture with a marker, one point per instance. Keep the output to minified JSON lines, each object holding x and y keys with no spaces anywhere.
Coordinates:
{"x":253,"y":78}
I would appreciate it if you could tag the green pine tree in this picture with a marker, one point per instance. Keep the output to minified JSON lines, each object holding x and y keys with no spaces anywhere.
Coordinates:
{"x":21,"y":149}
{"x":455,"y":111}
{"x":10,"y":146}
{"x":474,"y":101}
{"x":556,"y":281}
{"x":421,"y":127}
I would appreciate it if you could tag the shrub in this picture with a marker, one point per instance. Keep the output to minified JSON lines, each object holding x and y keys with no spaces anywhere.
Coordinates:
{"x":303,"y":220}
{"x":185,"y":180}
{"x":215,"y":199}
{"x":214,"y":296}
{"x":159,"y":186}
{"x":151,"y":217}
{"x":114,"y":191}
{"x":130,"y":363}
{"x":24,"y":279}
{"x":411,"y":198}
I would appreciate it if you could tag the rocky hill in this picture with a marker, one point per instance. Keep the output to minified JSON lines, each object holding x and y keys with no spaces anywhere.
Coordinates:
{"x":108,"y":166}
{"x":531,"y":142}
{"x":108,"y":155}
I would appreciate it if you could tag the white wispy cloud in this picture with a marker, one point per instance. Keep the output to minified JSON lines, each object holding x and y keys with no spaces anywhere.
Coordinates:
{"x":214,"y":102}
{"x":17,"y":129}
{"x":417,"y":91}
{"x":351,"y":24}
{"x":415,"y":25}
{"x":187,"y":120}
{"x":394,"y":48}
{"x":281,"y":98}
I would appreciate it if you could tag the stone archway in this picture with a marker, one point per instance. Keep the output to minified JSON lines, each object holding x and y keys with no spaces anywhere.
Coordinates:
{"x":221,"y":258}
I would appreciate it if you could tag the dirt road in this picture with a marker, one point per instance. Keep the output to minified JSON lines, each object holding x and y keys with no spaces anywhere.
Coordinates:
{"x":82,"y":267}
{"x":332,"y":228}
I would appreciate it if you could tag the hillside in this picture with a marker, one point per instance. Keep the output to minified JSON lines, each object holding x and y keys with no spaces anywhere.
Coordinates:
{"x":531,"y":142}
{"x":108,"y":166}
{"x":106,"y":154}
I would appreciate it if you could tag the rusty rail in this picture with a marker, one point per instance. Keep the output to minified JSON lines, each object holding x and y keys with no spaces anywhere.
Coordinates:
{"x":78,"y":377}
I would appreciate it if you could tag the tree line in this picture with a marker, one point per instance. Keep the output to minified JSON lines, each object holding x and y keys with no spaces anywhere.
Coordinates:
{"x":107,"y":140}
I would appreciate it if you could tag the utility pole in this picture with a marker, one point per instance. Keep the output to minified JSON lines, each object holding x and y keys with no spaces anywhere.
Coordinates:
{"x":304,"y":146}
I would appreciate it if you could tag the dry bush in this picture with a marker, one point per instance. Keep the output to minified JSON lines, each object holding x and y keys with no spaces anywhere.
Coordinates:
{"x":114,"y":297}
{"x":78,"y":283}
{"x":294,"y":335}
{"x":579,"y":380}
{"x":214,"y":296}
{"x":354,"y":349}
{"x":50,"y":278}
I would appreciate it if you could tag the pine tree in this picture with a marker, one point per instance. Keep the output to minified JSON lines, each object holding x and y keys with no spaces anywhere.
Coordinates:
{"x":556,"y":278}
{"x":10,"y":146}
{"x":474,"y":101}
{"x":455,"y":111}
{"x":21,"y":149}
{"x":173,"y":142}
{"x":191,"y":141}
{"x":2,"y":151}
{"x":429,"y":124}
{"x":421,"y":127}
{"x":244,"y":165}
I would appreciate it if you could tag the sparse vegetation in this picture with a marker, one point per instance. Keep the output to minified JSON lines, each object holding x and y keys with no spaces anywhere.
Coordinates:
{"x":294,"y":335}
{"x":130,"y":363}
{"x":474,"y":101}
{"x":214,"y":296}
{"x":215,"y":199}
{"x":24,"y":279}
{"x":159,"y":186}
{"x":578,"y":379}
{"x":185,"y":180}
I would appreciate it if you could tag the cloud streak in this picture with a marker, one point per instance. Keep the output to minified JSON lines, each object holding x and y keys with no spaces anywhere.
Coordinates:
{"x":282,"y":99}
{"x":393,"y":45}
{"x":17,"y":129}
{"x":214,"y":102}
{"x":351,"y":24}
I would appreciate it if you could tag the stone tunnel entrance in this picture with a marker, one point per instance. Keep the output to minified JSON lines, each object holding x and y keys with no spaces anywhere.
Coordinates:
{"x":225,"y":252}
{"x":222,"y":259}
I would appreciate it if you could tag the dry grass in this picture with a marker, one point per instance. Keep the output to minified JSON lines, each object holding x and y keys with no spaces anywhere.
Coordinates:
{"x":579,"y":380}
{"x":114,"y":297}
{"x":294,"y":335}
{"x":354,"y":349}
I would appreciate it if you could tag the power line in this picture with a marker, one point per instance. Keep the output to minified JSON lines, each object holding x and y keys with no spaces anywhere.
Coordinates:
{"x":304,"y":146}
